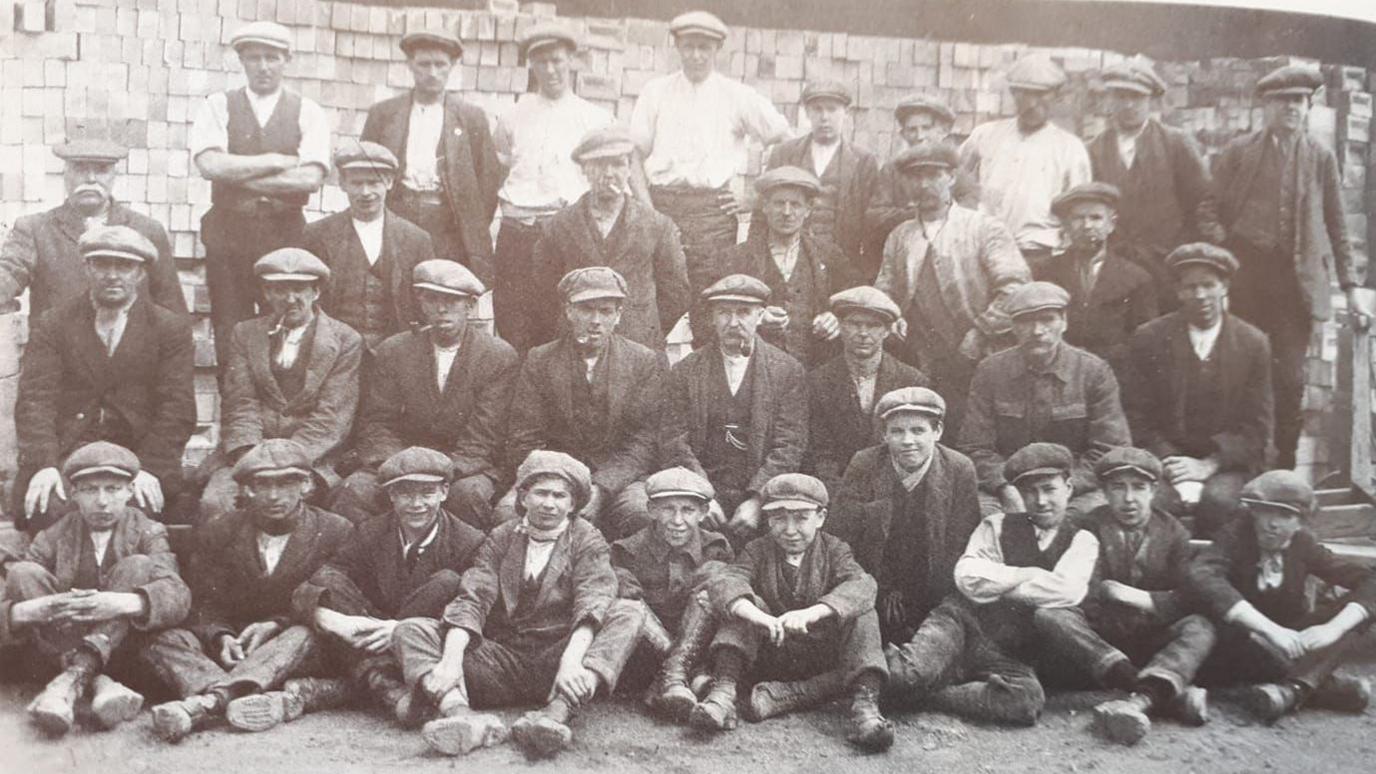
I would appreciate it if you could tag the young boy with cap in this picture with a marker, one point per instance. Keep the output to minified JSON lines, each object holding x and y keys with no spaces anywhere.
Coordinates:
{"x":1136,"y":611}
{"x":1253,"y":582}
{"x":798,"y":618}
{"x":662,"y":565}
{"x":82,"y":584}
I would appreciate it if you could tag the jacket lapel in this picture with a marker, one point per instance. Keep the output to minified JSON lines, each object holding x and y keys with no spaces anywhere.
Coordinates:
{"x":761,"y":400}
{"x":509,"y":571}
{"x":618,"y":380}
{"x":1182,"y":359}
{"x":558,"y":563}
{"x":324,"y":352}
{"x":455,"y":157}
{"x":300,"y":545}
{"x":259,"y":360}
{"x":70,"y":223}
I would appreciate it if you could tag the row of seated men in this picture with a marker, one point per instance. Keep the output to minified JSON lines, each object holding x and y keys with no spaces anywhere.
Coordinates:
{"x":892,"y":587}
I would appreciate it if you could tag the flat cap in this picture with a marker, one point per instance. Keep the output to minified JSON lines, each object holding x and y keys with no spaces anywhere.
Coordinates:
{"x":793,"y":490}
{"x":1280,"y":489}
{"x":273,"y":457}
{"x":1128,"y":459}
{"x":263,"y":33}
{"x":606,"y":142}
{"x":361,"y":154}
{"x":919,"y":400}
{"x":928,"y":154}
{"x":1104,"y":193}
{"x":100,"y":457}
{"x":737,"y":287}
{"x":1135,"y":76}
{"x":678,"y":482}
{"x":1291,"y":79}
{"x":416,"y":463}
{"x":590,"y":283}
{"x":864,"y":298}
{"x":435,"y":37}
{"x":827,"y":89}
{"x":545,"y":34}
{"x":291,"y":264}
{"x":543,"y":462}
{"x":101,"y":151}
{"x":920,"y":103}
{"x":1035,"y":72}
{"x":1036,"y":296}
{"x":444,"y":276}
{"x":1037,"y":459}
{"x":1202,"y":254}
{"x":698,"y":23}
{"x":116,"y":242}
{"x":780,"y":177}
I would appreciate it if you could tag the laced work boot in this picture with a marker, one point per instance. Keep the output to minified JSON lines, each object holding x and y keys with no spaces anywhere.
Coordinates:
{"x":716,"y":712}
{"x":1272,"y":701}
{"x":769,"y":699}
{"x":653,"y":634}
{"x":173,"y":721}
{"x":1124,"y":721}
{"x":544,"y":732}
{"x":1342,"y":693}
{"x":869,"y":730}
{"x":676,"y":698}
{"x":262,"y":711}
{"x":113,"y":703}
{"x":1190,"y":706}
{"x":461,"y":731}
{"x":54,"y":710}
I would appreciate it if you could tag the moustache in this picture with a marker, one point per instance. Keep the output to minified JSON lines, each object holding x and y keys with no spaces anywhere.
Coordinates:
{"x":90,"y":188}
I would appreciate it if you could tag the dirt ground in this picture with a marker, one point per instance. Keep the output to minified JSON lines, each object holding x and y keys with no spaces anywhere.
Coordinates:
{"x":615,"y":737}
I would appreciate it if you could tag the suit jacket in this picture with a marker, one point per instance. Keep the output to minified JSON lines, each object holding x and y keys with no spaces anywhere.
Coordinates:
{"x":837,"y":427}
{"x":542,"y":411}
{"x":892,"y":205}
{"x":1322,"y":252}
{"x":643,"y":247}
{"x":1102,"y":320}
{"x":227,"y":578}
{"x":58,"y":550}
{"x":648,"y":568}
{"x":41,"y":254}
{"x":1154,"y":390}
{"x":404,"y":244}
{"x":404,"y":406}
{"x":829,"y":269}
{"x":72,"y":393}
{"x":319,"y":417}
{"x":778,"y":412}
{"x":1159,"y":566}
{"x":828,"y":575}
{"x":469,"y":170}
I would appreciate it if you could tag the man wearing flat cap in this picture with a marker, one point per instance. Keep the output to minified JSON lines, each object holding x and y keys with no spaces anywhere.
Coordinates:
{"x":801,"y":269}
{"x":104,"y":366}
{"x":449,"y":173}
{"x":265,"y":150}
{"x":736,"y":410}
{"x":1043,"y":389}
{"x":291,"y":372}
{"x":842,"y":393}
{"x":692,"y":128}
{"x":949,"y":269}
{"x":1280,"y":200}
{"x":1023,"y":163}
{"x":370,"y":250}
{"x":1253,"y":582}
{"x":536,"y":621}
{"x":445,"y":386}
{"x":41,"y":254}
{"x":403,"y":564}
{"x":595,"y":395}
{"x":536,"y":139}
{"x":847,"y":176}
{"x":1137,"y":611}
{"x":609,"y":227}
{"x":1110,"y":295}
{"x":241,"y":642}
{"x":1198,"y":391}
{"x":1167,"y":192}
{"x":83,"y":583}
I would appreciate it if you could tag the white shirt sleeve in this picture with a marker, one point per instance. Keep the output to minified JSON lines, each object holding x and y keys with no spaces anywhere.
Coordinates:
{"x":1067,"y":584}
{"x":643,"y":117}
{"x":762,"y":120}
{"x":981,"y":574}
{"x":315,"y":135}
{"x":210,"y":128}
{"x":1078,"y":168}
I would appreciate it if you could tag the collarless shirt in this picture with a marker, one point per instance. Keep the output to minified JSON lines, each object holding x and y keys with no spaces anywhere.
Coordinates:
{"x":110,"y":325}
{"x":422,"y":146}
{"x":210,"y":128}
{"x":822,"y":155}
{"x":100,"y":543}
{"x":370,"y":236}
{"x":444,"y":360}
{"x":422,"y":544}
{"x":785,"y":256}
{"x":864,"y":376}
{"x":538,"y":136}
{"x":911,"y":480}
{"x":270,"y":548}
{"x":1270,"y":570}
{"x":735,"y":366}
{"x":1202,"y":340}
{"x":1127,"y":145}
{"x":291,"y":343}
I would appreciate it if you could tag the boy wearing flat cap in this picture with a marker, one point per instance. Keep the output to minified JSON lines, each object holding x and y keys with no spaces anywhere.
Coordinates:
{"x":403,"y":564}
{"x":797,"y":619}
{"x":1199,"y":391}
{"x":370,"y":250}
{"x":536,"y":620}
{"x":662,"y":566}
{"x":105,"y":366}
{"x":83,"y":583}
{"x":242,"y":644}
{"x":608,"y":226}
{"x":1137,"y":610}
{"x":291,"y":372}
{"x":1252,"y":582}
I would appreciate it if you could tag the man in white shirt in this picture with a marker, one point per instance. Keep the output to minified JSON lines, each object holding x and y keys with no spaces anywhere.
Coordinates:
{"x":265,"y":150}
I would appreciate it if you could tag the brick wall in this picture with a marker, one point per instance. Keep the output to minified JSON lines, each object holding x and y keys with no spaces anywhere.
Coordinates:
{"x":136,"y":70}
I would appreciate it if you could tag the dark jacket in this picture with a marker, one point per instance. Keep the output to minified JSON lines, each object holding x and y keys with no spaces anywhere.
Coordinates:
{"x":828,"y":575}
{"x":828,"y":267}
{"x":893,"y":204}
{"x":1101,"y":321}
{"x":837,"y":427}
{"x":1159,"y":565}
{"x":647,"y":568}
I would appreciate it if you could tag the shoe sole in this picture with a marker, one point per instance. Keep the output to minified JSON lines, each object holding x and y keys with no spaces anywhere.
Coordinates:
{"x":702,"y":720}
{"x":877,"y":740}
{"x":676,"y":705}
{"x":110,"y":711}
{"x":167,"y":725}
{"x":1126,"y":730}
{"x":256,"y":712}
{"x":541,"y":740}
{"x":458,"y":736}
{"x":1258,"y":702}
{"x":51,"y":723}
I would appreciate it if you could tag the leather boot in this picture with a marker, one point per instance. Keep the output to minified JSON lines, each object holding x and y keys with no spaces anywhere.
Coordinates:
{"x":769,"y":699}
{"x":113,"y":703}
{"x":1190,"y":706}
{"x":262,"y":711}
{"x":54,"y":710}
{"x":653,"y":634}
{"x":717,"y":712}
{"x":461,"y":731}
{"x":676,"y":698}
{"x":1342,"y":693}
{"x":869,"y":730}
{"x":388,"y":691}
{"x":1271,"y":701}
{"x":1124,"y":721}
{"x":173,"y":721}
{"x":544,"y":732}
{"x":979,"y":700}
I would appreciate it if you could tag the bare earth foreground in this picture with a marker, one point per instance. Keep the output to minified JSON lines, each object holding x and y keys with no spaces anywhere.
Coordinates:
{"x":617,"y":737}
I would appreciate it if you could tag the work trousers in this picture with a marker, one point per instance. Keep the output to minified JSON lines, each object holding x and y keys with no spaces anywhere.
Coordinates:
{"x":706,"y":230}
{"x":177,"y":657}
{"x":850,"y":647}
{"x":1243,"y":657}
{"x":1171,"y":652}
{"x":514,"y":290}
